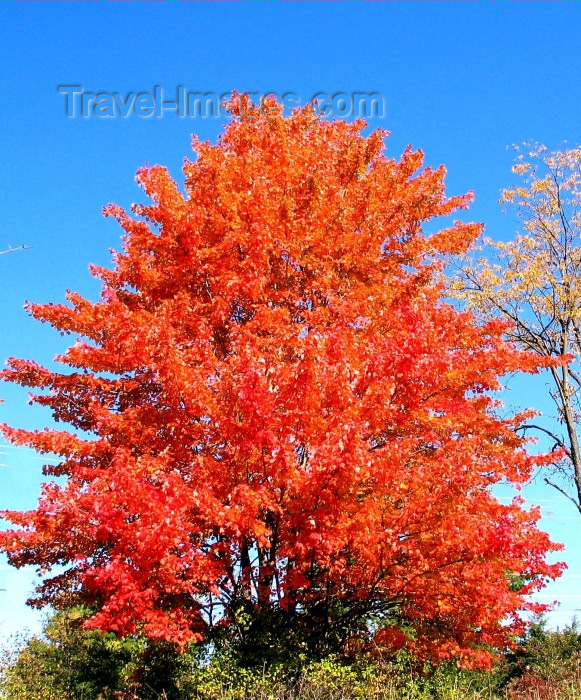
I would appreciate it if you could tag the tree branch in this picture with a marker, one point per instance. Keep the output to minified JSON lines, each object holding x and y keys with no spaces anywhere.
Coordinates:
{"x":10,"y":249}
{"x":558,"y":441}
{"x":561,"y":490}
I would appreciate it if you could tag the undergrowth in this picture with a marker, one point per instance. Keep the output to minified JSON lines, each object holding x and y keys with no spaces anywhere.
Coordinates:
{"x":69,"y":663}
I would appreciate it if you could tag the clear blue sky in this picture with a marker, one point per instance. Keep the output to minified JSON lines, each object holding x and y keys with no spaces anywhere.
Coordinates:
{"x":460,"y":80}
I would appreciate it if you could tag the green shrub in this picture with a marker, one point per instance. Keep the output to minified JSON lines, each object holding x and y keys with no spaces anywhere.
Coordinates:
{"x":548,"y":667}
{"x":71,"y":663}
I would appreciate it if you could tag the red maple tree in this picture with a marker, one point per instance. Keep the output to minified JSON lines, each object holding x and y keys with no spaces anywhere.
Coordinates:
{"x":283,"y":429}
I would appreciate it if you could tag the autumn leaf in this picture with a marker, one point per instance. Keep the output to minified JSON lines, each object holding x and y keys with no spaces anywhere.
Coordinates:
{"x":288,"y":424}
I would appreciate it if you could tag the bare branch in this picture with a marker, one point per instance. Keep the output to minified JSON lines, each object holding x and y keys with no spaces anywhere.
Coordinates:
{"x":562,"y":490}
{"x":10,"y":249}
{"x":558,"y":441}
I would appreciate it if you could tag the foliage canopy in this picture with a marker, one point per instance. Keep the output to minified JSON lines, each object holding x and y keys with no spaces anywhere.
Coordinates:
{"x":534,"y":282}
{"x":283,"y":432}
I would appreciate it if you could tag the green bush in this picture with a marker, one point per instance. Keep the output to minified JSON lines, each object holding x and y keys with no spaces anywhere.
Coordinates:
{"x":548,"y":666}
{"x":70,"y":663}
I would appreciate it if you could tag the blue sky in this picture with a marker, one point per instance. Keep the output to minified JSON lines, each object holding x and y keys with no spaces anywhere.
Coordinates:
{"x":461,"y":80}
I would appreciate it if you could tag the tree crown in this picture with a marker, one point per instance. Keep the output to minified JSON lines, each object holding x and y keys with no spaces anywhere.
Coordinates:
{"x":291,"y":431}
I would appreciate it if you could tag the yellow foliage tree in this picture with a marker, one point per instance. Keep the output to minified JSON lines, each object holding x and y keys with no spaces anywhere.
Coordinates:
{"x":534,"y":282}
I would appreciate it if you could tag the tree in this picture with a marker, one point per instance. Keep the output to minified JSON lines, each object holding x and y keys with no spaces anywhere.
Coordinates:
{"x":546,"y":664}
{"x":68,"y":661}
{"x":283,"y":433}
{"x":534,"y":282}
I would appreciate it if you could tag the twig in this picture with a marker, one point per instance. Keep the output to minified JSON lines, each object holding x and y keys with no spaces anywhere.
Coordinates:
{"x":10,"y":249}
{"x":556,"y":486}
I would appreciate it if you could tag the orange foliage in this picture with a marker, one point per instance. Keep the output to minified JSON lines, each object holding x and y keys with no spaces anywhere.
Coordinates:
{"x":285,"y":414}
